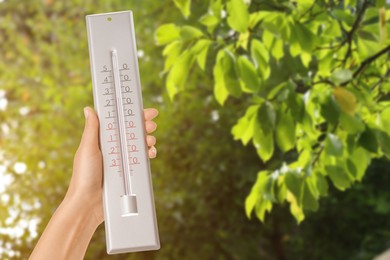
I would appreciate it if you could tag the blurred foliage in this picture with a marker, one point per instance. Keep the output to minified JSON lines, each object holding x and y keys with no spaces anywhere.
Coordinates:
{"x":201,"y":175}
{"x":349,"y":225}
{"x":315,"y":75}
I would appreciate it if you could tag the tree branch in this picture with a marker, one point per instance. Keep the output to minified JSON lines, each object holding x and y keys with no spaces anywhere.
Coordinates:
{"x":367,"y":62}
{"x":324,"y":81}
{"x":322,"y":148}
{"x":371,"y":59}
{"x":308,"y":10}
{"x":355,"y":26}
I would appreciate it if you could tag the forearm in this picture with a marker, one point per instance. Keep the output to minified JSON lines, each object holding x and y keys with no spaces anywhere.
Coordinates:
{"x":68,"y":233}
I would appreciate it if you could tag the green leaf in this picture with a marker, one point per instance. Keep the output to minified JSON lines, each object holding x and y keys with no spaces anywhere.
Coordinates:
{"x":380,"y":3}
{"x":167,"y":33}
{"x":352,"y":170}
{"x":250,"y":202}
{"x":295,"y":208}
{"x":268,"y":39}
{"x":302,"y":38}
{"x":238,"y":15}
{"x":361,"y":159}
{"x":333,"y":145}
{"x":307,"y":125}
{"x":385,"y":119}
{"x":281,"y":190}
{"x":184,"y":6}
{"x":257,"y":199}
{"x":295,"y":50}
{"x":295,"y":46}
{"x":188,"y":33}
{"x":263,"y":139}
{"x":365,"y":35}
{"x":351,"y":124}
{"x":230,"y":75}
{"x":267,"y":117}
{"x":178,"y":74}
{"x":215,"y":8}
{"x":309,"y":199}
{"x":243,"y":40}
{"x":260,"y":57}
{"x":264,"y":144}
{"x":279,"y":91}
{"x":305,"y":156}
{"x":296,"y":104}
{"x":256,"y":192}
{"x":259,"y":53}
{"x":225,"y":76}
{"x":220,"y":90}
{"x":262,"y":207}
{"x":209,"y":20}
{"x":351,"y":143}
{"x":248,"y":74}
{"x":306,"y":59}
{"x":367,"y":48}
{"x":368,"y":140}
{"x":278,"y":49}
{"x":384,"y":141}
{"x":344,"y":15}
{"x":326,"y":65}
{"x":256,"y":17}
{"x":330,"y":110}
{"x":269,"y":189}
{"x":276,"y":23}
{"x":294,"y":183}
{"x":322,"y":184}
{"x":338,"y":176}
{"x":285,"y":131}
{"x":200,"y":50}
{"x":244,"y":129}
{"x":340,"y":76}
{"x":171,"y":53}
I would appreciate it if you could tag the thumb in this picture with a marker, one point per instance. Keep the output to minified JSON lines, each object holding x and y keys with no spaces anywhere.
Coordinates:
{"x":90,"y":136}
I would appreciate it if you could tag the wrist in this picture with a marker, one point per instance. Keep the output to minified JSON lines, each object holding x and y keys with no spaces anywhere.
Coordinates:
{"x":85,"y":208}
{"x":69,"y":231}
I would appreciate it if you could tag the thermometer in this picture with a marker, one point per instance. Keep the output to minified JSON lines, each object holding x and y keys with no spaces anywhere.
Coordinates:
{"x":129,"y":211}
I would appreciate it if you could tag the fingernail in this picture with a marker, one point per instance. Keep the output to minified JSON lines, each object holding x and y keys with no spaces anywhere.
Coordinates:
{"x":86,"y":112}
{"x":153,"y":152}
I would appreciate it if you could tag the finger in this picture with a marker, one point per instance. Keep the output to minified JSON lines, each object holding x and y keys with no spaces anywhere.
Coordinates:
{"x":150,"y":113}
{"x":152,"y":152}
{"x":91,"y":130}
{"x":150,"y":140}
{"x":150,"y":126}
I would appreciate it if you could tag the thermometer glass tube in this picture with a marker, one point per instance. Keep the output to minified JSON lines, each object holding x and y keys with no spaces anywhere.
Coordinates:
{"x":129,"y":200}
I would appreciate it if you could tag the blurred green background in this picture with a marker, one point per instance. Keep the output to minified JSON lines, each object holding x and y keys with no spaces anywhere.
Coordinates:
{"x":201,"y":176}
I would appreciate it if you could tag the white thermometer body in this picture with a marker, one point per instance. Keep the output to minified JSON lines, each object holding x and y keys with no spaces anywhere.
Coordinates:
{"x":129,"y":211}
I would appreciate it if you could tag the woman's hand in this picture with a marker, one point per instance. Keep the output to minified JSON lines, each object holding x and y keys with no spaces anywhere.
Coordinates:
{"x":71,"y":227}
{"x":86,"y":183}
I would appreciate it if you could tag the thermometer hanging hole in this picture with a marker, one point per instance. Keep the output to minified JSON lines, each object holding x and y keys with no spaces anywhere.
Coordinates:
{"x":109,"y":19}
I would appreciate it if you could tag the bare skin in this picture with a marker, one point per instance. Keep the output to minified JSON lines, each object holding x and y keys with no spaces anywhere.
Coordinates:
{"x":72,"y":225}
